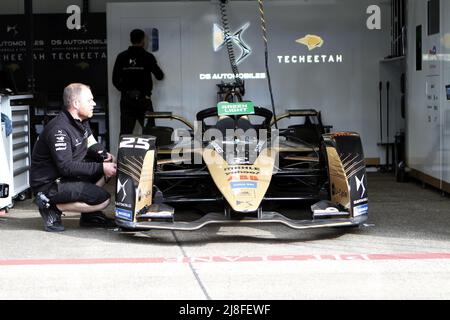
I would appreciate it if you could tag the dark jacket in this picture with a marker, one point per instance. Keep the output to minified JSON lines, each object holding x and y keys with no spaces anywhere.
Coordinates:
{"x":133,"y":70}
{"x":60,"y":151}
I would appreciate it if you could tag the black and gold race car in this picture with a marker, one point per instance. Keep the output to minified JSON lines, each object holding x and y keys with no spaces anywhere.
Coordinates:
{"x":235,"y":166}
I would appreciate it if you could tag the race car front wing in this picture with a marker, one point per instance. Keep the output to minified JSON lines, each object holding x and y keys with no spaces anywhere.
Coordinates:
{"x":266,"y":217}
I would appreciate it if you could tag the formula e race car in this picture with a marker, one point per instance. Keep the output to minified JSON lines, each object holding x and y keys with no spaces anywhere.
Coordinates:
{"x":238,"y":167}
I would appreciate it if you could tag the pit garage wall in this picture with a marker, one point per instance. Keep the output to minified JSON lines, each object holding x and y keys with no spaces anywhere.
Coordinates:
{"x":428,"y":115}
{"x":346,"y":92}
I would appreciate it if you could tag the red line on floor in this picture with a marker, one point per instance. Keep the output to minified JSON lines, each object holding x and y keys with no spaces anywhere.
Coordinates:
{"x":223,"y":259}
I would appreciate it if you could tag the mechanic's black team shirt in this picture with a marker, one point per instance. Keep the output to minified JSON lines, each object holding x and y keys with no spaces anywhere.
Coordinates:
{"x":60,"y":150}
{"x":133,"y":71}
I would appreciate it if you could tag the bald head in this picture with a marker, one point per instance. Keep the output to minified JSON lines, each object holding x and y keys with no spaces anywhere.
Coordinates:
{"x":72,"y":93}
{"x":78,"y":100}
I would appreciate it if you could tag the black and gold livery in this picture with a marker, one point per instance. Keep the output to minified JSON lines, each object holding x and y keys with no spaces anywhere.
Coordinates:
{"x":301,"y":175}
{"x":135,"y":175}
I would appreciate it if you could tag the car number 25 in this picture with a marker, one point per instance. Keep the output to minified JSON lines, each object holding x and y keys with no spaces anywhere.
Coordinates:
{"x":135,"y":143}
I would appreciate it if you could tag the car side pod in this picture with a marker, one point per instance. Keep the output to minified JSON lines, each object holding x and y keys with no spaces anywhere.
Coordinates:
{"x":347,"y":172}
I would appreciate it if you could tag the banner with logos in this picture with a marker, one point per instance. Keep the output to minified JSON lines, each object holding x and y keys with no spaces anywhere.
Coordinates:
{"x":60,"y":55}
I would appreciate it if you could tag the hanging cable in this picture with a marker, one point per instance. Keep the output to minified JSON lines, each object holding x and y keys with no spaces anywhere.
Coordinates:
{"x":266,"y":55}
{"x":229,"y":45}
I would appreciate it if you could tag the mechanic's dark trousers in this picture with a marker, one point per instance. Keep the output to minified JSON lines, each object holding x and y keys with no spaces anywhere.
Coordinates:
{"x":132,"y":110}
{"x":67,"y":190}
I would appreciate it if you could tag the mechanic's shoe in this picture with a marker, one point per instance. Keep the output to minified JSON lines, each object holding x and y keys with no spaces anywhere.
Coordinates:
{"x":96,"y":219}
{"x":52,"y":219}
{"x":42,"y":201}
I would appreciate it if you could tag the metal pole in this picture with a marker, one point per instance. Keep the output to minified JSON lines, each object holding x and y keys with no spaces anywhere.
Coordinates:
{"x":388,"y":86}
{"x":28,"y":4}
{"x":392,"y":28}
{"x":402,"y":22}
{"x":85,"y":11}
{"x":399,"y":27}
{"x":86,"y":6}
{"x":396,"y":28}
{"x":381,"y":111}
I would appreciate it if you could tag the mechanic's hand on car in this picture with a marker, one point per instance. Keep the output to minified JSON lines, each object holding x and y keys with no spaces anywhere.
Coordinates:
{"x":109,"y":169}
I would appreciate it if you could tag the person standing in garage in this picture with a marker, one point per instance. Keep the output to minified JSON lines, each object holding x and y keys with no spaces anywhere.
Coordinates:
{"x":132,"y":76}
{"x":69,"y":167}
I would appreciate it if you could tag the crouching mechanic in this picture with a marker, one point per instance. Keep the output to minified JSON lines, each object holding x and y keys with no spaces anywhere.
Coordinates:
{"x":69,"y":167}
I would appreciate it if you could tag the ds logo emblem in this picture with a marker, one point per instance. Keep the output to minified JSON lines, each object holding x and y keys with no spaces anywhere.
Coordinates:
{"x":219,"y":41}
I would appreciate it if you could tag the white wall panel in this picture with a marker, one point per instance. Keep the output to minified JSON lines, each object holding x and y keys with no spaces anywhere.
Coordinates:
{"x":428,"y":137}
{"x":445,"y":114}
{"x":346,"y":92}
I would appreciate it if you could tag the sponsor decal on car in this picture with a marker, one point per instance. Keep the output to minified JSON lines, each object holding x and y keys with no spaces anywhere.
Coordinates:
{"x":244,"y":185}
{"x":361,"y":210}
{"x":360,"y":185}
{"x":235,"y":170}
{"x":242,"y":178}
{"x":124,"y":214}
{"x":237,"y":108}
{"x":121,"y":188}
{"x":359,"y":201}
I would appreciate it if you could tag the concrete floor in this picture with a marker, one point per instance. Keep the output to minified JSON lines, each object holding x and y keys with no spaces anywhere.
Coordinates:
{"x":403,"y":253}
